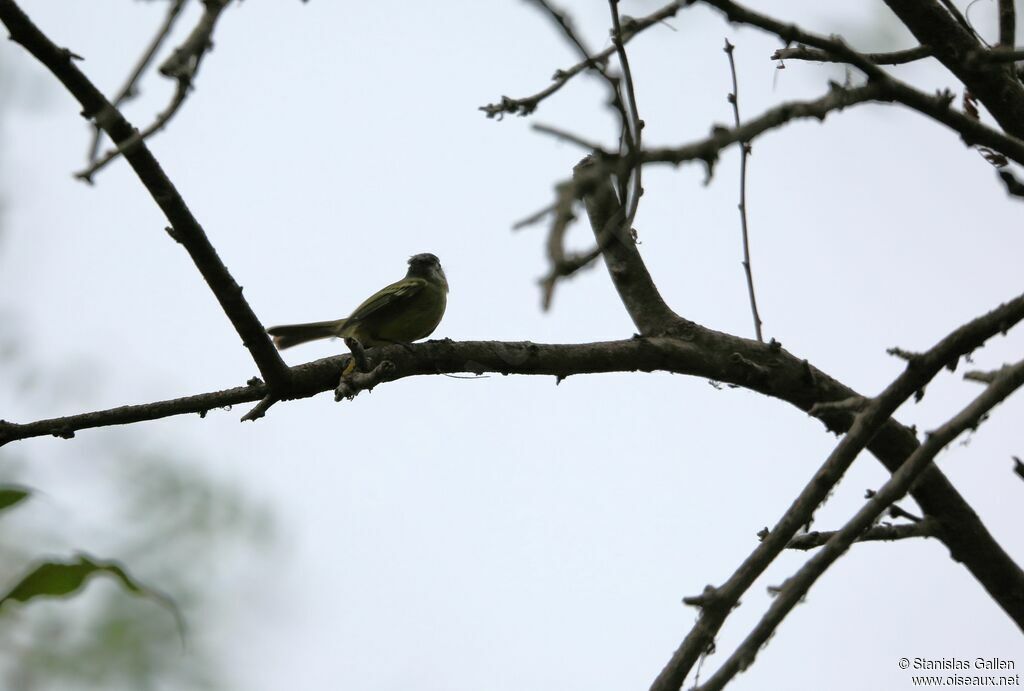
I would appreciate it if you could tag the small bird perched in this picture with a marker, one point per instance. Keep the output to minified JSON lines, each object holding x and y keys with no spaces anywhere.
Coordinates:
{"x":403,"y":312}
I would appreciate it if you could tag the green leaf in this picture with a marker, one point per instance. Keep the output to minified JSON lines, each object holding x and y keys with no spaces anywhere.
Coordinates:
{"x":63,"y":578}
{"x":12,"y":495}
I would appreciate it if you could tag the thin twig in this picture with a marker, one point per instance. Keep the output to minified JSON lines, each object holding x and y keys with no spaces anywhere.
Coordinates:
{"x":629,"y":183}
{"x":182,"y":66}
{"x":632,"y":124}
{"x":899,"y":57}
{"x":734,"y":99}
{"x":528,"y":104}
{"x":563,"y":215}
{"x":708,"y":149}
{"x":928,"y":527}
{"x":959,"y":17}
{"x":936,"y":107}
{"x":564,"y":22}
{"x":535,"y":217}
{"x":177,"y":100}
{"x":567,"y":136}
{"x":128,"y":90}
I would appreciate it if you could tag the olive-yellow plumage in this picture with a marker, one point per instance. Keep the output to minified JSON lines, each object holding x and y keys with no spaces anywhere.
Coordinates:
{"x":403,"y":312}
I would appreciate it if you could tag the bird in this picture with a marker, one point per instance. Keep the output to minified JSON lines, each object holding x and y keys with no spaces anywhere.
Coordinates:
{"x":403,"y":312}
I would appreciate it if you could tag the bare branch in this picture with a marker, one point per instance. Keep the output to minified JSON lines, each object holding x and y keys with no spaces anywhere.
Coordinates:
{"x":696,"y":351}
{"x":632,"y":125}
{"x":1014,"y":187}
{"x":1001,"y":93}
{"x":528,"y":104}
{"x":181,"y":91}
{"x":866,"y":425}
{"x":182,"y":66}
{"x":734,"y":99}
{"x":534,"y":218}
{"x":899,"y":57}
{"x":566,"y":136}
{"x":129,"y":90}
{"x":954,"y":44}
{"x":555,"y":246}
{"x":1007,"y":24}
{"x":633,"y":282}
{"x":972,"y":132}
{"x":566,"y":265}
{"x":186,"y":228}
{"x":999,"y":54}
{"x":707,"y":150}
{"x":929,"y":527}
{"x":797,"y":586}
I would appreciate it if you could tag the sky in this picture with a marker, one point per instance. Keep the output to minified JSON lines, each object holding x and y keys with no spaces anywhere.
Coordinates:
{"x":508,"y":533}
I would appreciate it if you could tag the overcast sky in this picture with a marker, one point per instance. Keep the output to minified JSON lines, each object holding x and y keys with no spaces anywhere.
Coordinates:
{"x":507,"y":533}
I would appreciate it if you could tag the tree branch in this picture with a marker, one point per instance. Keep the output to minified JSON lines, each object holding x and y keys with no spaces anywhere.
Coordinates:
{"x":990,"y":82}
{"x":767,"y":369}
{"x":129,"y":89}
{"x":528,"y":104}
{"x":797,"y":586}
{"x":954,"y":45}
{"x":867,"y":423}
{"x":929,"y":527}
{"x":898,"y":57}
{"x":182,"y":66}
{"x":186,"y":228}
{"x":1007,"y":24}
{"x":707,"y":150}
{"x":734,"y":99}
{"x":937,"y":107}
{"x":636,"y":288}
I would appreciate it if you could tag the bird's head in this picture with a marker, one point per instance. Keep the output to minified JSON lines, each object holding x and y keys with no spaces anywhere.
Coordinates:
{"x":427,"y":266}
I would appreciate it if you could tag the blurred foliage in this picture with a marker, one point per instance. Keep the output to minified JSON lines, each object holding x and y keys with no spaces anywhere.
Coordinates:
{"x":177,"y":531}
{"x":159,"y":515}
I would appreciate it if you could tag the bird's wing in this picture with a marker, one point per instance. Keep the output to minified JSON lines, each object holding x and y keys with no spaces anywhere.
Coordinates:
{"x":397,"y":292}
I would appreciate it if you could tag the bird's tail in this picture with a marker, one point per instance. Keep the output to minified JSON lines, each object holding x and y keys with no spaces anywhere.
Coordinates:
{"x":293,"y":334}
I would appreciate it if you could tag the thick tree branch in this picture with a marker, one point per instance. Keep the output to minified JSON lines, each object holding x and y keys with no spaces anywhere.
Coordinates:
{"x":1007,"y":24}
{"x":633,"y":282}
{"x":796,"y":587}
{"x":967,"y":538}
{"x":185,"y":227}
{"x":768,"y":369}
{"x":955,"y":46}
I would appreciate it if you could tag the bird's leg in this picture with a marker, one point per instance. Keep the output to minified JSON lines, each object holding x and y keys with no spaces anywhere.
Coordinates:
{"x":358,"y":357}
